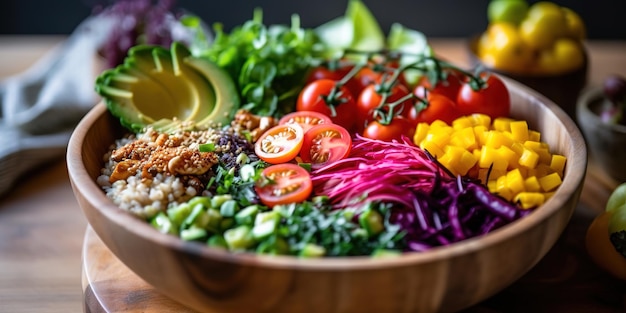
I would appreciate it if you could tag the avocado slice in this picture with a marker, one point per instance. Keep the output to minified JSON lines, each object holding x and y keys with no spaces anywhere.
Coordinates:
{"x":162,"y":87}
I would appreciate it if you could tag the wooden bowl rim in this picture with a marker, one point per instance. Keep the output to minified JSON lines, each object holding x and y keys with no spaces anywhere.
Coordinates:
{"x":88,"y":188}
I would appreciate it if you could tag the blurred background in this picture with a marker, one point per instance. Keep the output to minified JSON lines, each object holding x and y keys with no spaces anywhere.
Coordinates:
{"x":435,"y":18}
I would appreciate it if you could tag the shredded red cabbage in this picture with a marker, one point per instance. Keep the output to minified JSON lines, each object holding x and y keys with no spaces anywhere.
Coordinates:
{"x":433,"y":207}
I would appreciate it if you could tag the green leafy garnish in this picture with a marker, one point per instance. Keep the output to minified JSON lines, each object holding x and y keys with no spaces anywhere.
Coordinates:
{"x":268,"y":63}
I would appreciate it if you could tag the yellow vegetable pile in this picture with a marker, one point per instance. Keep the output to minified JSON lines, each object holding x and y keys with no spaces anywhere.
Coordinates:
{"x":506,"y":156}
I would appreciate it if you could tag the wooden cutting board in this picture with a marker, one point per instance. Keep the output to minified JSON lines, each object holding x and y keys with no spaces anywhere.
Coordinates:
{"x":564,"y":281}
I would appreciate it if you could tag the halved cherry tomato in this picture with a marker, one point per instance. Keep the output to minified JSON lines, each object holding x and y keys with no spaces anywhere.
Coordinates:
{"x":325,"y":143}
{"x":283,"y":184}
{"x":370,"y":98}
{"x":306,"y":119}
{"x":399,"y":126}
{"x":280,"y":143}
{"x":438,"y":107}
{"x":493,"y":100}
{"x":314,"y":97}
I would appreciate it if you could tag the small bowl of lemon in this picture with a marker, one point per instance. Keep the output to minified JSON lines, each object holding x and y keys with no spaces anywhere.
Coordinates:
{"x":540,"y":45}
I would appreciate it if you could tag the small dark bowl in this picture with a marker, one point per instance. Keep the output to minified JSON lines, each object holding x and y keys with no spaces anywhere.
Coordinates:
{"x":606,"y":142}
{"x":562,"y":89}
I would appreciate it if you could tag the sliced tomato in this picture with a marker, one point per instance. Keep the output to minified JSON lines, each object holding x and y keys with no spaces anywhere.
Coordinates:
{"x":280,"y":143}
{"x":283,"y":184}
{"x":324,"y":144}
{"x":306,"y":119}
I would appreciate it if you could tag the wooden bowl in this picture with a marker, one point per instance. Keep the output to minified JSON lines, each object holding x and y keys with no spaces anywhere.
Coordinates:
{"x":444,"y":279}
{"x":606,"y":142}
{"x":562,"y":89}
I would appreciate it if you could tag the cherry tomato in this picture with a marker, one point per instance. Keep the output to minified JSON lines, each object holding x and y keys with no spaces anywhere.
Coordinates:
{"x":306,"y":119}
{"x":363,"y":78}
{"x":280,"y":143}
{"x":314,"y":98}
{"x":370,"y":98}
{"x":493,"y":100}
{"x":323,"y":72}
{"x":398,"y":127}
{"x":438,"y":107}
{"x":325,"y":143}
{"x":449,"y":86}
{"x":283,"y":184}
{"x":600,"y":248}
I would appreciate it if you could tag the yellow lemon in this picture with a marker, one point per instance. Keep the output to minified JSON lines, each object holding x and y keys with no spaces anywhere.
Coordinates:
{"x":504,"y":49}
{"x":575,"y":26}
{"x":544,"y":24}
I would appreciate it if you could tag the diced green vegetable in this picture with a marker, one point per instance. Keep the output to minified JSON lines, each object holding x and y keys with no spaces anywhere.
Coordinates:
{"x":229,"y":208}
{"x":193,"y":233}
{"x":247,"y":215}
{"x":239,"y":238}
{"x":163,"y":224}
{"x":312,"y":251}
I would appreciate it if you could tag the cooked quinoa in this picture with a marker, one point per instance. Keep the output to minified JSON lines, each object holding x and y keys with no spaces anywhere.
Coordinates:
{"x":148,"y":172}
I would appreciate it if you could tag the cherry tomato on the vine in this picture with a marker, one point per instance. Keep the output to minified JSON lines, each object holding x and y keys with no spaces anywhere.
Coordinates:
{"x":493,"y":100}
{"x":280,"y":143}
{"x":371,"y":98}
{"x":437,"y":107}
{"x":449,"y":86}
{"x":363,"y":78}
{"x":306,"y":119}
{"x":398,"y":127}
{"x":325,"y":143}
{"x":323,"y":72}
{"x":315,"y":97}
{"x":283,"y":184}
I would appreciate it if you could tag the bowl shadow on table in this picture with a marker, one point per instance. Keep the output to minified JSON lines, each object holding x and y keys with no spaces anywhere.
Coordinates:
{"x":444,"y":279}
{"x":563,"y":89}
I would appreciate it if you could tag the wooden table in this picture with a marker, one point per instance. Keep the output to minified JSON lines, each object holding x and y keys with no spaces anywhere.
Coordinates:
{"x":42,"y":229}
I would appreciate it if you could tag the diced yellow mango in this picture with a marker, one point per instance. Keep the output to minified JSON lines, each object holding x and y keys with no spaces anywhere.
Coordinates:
{"x":507,"y":155}
{"x":480,"y":133}
{"x":496,"y":139}
{"x":558,"y":163}
{"x":529,"y":158}
{"x":534,"y":135}
{"x":462,"y":122}
{"x":515,"y":181}
{"x":519,"y":130}
{"x":529,"y":200}
{"x":550,"y":182}
{"x":421,"y":131}
{"x":432,"y":148}
{"x":531,"y":183}
{"x":464,"y":138}
{"x":480,"y":120}
{"x":502,"y":124}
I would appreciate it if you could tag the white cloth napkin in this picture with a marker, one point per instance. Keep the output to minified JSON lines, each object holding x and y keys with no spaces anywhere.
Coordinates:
{"x":41,"y":106}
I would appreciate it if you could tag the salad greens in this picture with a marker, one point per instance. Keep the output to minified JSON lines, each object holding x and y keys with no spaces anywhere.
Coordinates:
{"x":268,"y":63}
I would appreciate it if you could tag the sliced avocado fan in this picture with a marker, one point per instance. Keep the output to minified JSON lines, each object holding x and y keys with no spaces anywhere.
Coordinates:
{"x":162,"y":87}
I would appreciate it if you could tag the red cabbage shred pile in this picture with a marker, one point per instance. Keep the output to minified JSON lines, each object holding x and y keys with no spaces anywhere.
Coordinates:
{"x":433,"y":207}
